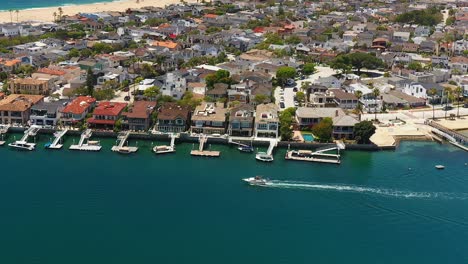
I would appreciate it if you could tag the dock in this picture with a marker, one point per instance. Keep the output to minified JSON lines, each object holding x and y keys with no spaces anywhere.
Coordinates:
{"x":167,"y":149}
{"x":318,"y":155}
{"x":3,"y":130}
{"x":23,"y":142}
{"x":204,"y":153}
{"x":89,"y":145}
{"x":57,"y":143}
{"x":268,"y":155}
{"x":453,"y":137}
{"x":122,"y":137}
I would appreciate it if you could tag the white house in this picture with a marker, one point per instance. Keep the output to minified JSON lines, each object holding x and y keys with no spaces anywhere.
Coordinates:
{"x":420,"y":90}
{"x":266,"y":121}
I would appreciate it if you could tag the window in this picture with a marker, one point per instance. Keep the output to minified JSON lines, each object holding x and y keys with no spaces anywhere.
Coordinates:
{"x":262,"y":126}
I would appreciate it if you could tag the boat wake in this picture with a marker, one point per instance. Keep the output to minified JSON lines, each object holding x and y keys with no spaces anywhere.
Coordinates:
{"x":366,"y":190}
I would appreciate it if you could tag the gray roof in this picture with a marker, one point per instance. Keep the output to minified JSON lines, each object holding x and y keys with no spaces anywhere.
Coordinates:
{"x":51,"y":107}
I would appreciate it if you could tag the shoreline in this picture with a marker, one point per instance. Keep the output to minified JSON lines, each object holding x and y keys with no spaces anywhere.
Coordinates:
{"x":45,"y":14}
{"x":57,"y":6}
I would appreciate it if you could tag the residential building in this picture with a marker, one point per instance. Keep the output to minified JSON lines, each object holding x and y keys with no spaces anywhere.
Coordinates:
{"x":106,"y":114}
{"x":241,"y":121}
{"x":15,"y":108}
{"x":139,"y":115}
{"x":31,"y":86}
{"x":344,"y":99}
{"x":209,"y":118}
{"x":47,"y":113}
{"x":343,"y":125}
{"x":420,"y":90}
{"x":266,"y":121}
{"x":173,"y":118}
{"x":77,"y":109}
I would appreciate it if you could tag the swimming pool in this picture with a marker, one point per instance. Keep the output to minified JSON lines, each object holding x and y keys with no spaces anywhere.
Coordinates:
{"x":308,"y":137}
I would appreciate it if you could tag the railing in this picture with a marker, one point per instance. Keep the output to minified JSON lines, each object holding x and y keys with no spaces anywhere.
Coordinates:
{"x":456,"y":135}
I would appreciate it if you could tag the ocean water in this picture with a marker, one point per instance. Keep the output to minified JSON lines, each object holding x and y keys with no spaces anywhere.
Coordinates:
{"x":28,"y":4}
{"x":376,"y":207}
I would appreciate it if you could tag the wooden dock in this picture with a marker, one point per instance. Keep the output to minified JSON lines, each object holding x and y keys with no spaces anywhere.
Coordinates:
{"x":290,"y":156}
{"x":205,"y":153}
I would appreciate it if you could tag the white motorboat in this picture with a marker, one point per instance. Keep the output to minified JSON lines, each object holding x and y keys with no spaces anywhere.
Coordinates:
{"x":257,"y":181}
{"x":440,"y":167}
{"x":22,"y":145}
{"x":263,"y":156}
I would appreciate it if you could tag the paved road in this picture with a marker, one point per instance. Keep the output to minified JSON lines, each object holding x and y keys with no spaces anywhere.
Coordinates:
{"x":415,"y":114}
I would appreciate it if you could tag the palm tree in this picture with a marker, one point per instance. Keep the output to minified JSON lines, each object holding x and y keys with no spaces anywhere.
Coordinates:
{"x":376,"y":93}
{"x":432,"y":92}
{"x":11,"y":15}
{"x":458,"y":92}
{"x":17,"y":13}
{"x":60,"y":11}
{"x":358,"y":94}
{"x":55,"y":16}
{"x":448,"y":96}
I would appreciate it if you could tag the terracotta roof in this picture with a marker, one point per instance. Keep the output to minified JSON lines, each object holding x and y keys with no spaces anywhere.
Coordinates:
{"x":141,"y":109}
{"x":79,"y":105}
{"x":10,"y":63}
{"x":19,"y":102}
{"x":210,"y":16}
{"x":109,"y":108}
{"x":30,"y":81}
{"x":459,"y":59}
{"x":50,"y":71}
{"x":166,"y":44}
{"x":171,"y":111}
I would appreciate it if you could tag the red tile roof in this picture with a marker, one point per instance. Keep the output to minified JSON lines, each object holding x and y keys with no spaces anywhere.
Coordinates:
{"x":141,"y":109}
{"x":79,"y":105}
{"x":210,"y":16}
{"x":101,"y":121}
{"x":50,"y":71}
{"x":109,"y":108}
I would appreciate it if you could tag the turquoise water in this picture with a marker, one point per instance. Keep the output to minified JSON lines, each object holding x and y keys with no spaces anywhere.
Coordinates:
{"x":27,"y":4}
{"x":308,"y":137}
{"x":376,"y":207}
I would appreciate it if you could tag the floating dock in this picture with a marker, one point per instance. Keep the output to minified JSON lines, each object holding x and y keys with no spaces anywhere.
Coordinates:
{"x":3,"y":130}
{"x":89,"y":145}
{"x":23,"y":142}
{"x":268,"y":155}
{"x":318,"y":155}
{"x":57,"y":143}
{"x":120,"y":147}
{"x":204,"y":153}
{"x":167,"y":149}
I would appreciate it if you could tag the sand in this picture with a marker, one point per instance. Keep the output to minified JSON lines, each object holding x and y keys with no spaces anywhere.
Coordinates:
{"x":46,"y":14}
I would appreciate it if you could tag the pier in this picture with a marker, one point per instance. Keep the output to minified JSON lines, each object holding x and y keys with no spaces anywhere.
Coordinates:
{"x":89,"y":145}
{"x":23,"y":142}
{"x":318,"y":155}
{"x":204,"y":153}
{"x":453,"y":137}
{"x":122,"y":137}
{"x":3,"y":130}
{"x":268,"y":155}
{"x":57,"y":143}
{"x":167,"y":149}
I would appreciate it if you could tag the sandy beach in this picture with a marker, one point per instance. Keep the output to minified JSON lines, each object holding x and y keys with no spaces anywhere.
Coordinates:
{"x":46,"y":14}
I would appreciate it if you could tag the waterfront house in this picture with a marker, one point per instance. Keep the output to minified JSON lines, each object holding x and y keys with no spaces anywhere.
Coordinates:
{"x":106,"y":114}
{"x":138,"y":117}
{"x":173,"y":118}
{"x":420,"y":90}
{"x":31,"y":86}
{"x":47,"y":113}
{"x":266,"y":121}
{"x":15,"y":108}
{"x":241,"y":120}
{"x":77,"y":110}
{"x":343,"y":125}
{"x":209,"y":118}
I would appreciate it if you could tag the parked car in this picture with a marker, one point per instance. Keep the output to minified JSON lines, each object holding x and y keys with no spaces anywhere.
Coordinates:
{"x":127,"y":98}
{"x":282,"y":105}
{"x":448,"y":108}
{"x":465,"y":105}
{"x":295,"y":89}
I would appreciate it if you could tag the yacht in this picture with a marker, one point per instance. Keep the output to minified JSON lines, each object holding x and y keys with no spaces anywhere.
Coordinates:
{"x":263,"y":156}
{"x":440,"y":167}
{"x":22,"y":145}
{"x":257,"y":181}
{"x":245,"y":148}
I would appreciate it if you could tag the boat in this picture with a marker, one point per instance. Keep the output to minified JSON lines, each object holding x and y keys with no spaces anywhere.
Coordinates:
{"x":163,"y":149}
{"x":263,"y":156}
{"x":256,"y":181}
{"x":245,"y":148}
{"x":124,"y":150}
{"x":440,"y":167}
{"x":22,"y":145}
{"x":93,"y":143}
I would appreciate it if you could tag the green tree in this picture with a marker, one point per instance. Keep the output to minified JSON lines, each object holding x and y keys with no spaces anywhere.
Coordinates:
{"x":90,"y":82}
{"x":458,"y":94}
{"x":286,"y":119}
{"x":188,"y":100}
{"x":284,"y":73}
{"x":73,"y":53}
{"x":415,"y":66}
{"x":260,"y":98}
{"x":221,"y":76}
{"x":323,"y":130}
{"x":308,"y":69}
{"x":357,"y":60}
{"x":363,"y":131}
{"x":300,"y":97}
{"x":152,"y":93}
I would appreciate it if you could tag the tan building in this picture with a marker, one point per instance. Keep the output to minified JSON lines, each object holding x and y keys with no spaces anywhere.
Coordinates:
{"x":15,"y":108}
{"x":31,"y":86}
{"x":209,"y":118}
